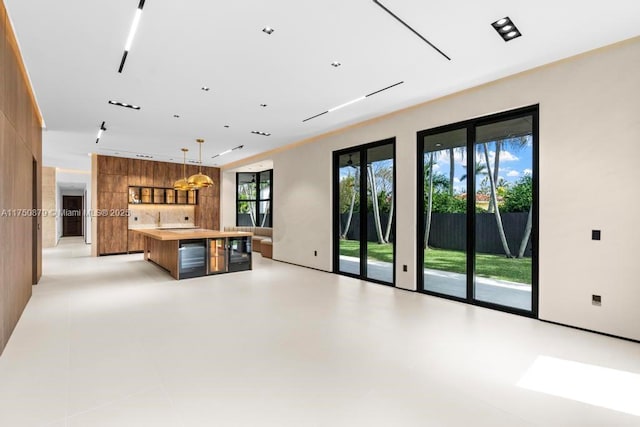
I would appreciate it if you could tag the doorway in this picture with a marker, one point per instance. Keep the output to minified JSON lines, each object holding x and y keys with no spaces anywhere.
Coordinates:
{"x":364,"y":212}
{"x":478,"y":211}
{"x":72,"y":219}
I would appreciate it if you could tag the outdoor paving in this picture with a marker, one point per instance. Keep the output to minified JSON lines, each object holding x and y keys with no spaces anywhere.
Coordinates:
{"x":510,"y":294}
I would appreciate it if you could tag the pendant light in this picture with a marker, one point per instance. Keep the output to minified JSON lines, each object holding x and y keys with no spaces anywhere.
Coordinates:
{"x":182,"y":183}
{"x":200,"y":180}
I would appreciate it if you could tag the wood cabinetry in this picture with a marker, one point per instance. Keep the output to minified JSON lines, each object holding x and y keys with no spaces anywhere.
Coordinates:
{"x":112,"y":205}
{"x":115,"y":175}
{"x":135,"y":241}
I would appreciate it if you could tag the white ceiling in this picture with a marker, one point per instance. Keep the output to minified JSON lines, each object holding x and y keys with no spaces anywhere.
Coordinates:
{"x":72,"y":50}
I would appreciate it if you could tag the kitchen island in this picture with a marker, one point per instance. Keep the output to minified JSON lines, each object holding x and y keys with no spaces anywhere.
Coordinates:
{"x":195,"y":252}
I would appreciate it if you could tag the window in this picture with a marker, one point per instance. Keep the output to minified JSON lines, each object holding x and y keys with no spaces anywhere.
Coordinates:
{"x":254,"y":199}
{"x":477,"y":200}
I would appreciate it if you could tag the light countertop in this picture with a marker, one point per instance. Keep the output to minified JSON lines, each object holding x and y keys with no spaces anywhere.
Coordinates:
{"x":193,"y":233}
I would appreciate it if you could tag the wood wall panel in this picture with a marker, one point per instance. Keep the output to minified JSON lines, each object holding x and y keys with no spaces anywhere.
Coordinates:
{"x":134,"y":172}
{"x":20,"y":145}
{"x":112,"y":183}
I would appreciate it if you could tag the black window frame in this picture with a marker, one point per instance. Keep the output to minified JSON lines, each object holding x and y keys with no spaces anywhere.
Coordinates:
{"x":257,"y":200}
{"x":471,"y":125}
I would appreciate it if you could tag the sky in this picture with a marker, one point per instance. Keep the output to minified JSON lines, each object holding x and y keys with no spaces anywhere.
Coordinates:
{"x":513,"y":164}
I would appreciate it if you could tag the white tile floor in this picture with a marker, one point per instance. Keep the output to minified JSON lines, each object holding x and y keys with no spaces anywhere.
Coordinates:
{"x":114,"y":341}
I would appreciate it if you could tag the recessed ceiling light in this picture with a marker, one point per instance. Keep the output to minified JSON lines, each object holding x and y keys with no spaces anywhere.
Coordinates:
{"x":335,"y":64}
{"x":227,"y":126}
{"x":506,"y":28}
{"x":205,"y":88}
{"x":132,"y":33}
{"x":263,"y":105}
{"x":123,"y":104}
{"x":144,"y":156}
{"x":260,"y":133}
{"x":177,"y":116}
{"x":268,"y":30}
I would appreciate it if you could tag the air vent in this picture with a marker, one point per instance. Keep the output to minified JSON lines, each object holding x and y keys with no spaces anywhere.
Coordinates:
{"x":257,"y":132}
{"x":506,"y":28}
{"x":411,"y":29}
{"x":125,"y":105}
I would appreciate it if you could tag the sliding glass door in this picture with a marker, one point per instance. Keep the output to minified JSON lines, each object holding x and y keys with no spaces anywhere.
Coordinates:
{"x":364,"y":212}
{"x":478,"y":209}
{"x":444,"y":211}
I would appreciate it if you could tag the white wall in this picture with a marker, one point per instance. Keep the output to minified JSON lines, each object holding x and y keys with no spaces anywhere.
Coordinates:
{"x":589,"y":149}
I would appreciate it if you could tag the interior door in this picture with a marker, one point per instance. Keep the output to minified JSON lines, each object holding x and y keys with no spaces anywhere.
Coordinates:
{"x":72,"y":219}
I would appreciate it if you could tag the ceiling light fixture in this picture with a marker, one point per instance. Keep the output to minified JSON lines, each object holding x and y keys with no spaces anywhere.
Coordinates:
{"x":102,"y":129}
{"x":227,"y":126}
{"x":177,"y":116}
{"x":263,"y":105}
{"x":353,"y":101}
{"x":335,"y":64}
{"x":239,"y":147}
{"x":183,"y":183}
{"x":132,"y":33}
{"x":123,"y":104}
{"x":383,"y":7}
{"x":506,"y":28}
{"x":260,"y":133}
{"x":200,"y":180}
{"x":268,"y":30}
{"x":144,"y":156}
{"x":205,"y":88}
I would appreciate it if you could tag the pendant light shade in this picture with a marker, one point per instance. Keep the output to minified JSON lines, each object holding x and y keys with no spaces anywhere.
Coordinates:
{"x":182,"y":183}
{"x":200,"y":180}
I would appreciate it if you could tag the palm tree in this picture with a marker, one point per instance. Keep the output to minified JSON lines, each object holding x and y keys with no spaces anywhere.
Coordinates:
{"x":373,"y":188}
{"x":527,"y":233}
{"x":494,"y":198}
{"x":480,"y":169}
{"x":427,"y":227}
{"x":349,"y":183}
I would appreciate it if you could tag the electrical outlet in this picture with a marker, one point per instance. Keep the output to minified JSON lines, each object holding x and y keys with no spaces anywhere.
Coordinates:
{"x":135,"y":218}
{"x":315,"y":253}
{"x":595,"y":234}
{"x":186,"y":218}
{"x":596,"y":299}
{"x":404,"y":267}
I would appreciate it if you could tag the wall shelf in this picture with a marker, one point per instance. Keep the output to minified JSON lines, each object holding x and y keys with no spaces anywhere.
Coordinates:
{"x":161,"y":196}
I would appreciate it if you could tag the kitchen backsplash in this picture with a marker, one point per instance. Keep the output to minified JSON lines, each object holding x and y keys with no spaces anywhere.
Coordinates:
{"x":161,"y":216}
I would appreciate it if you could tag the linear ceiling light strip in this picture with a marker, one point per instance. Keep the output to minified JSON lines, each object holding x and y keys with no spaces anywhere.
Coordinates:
{"x":383,"y":89}
{"x":102,"y":129}
{"x":313,"y":117}
{"x":411,"y":29}
{"x":132,"y":33}
{"x":353,"y":101}
{"x":239,"y":147}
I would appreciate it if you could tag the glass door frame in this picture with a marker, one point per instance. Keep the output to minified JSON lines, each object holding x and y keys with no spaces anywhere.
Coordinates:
{"x":470,"y":126}
{"x":360,"y":150}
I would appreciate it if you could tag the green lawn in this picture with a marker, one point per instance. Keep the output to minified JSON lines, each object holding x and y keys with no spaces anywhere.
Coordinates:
{"x":492,"y":266}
